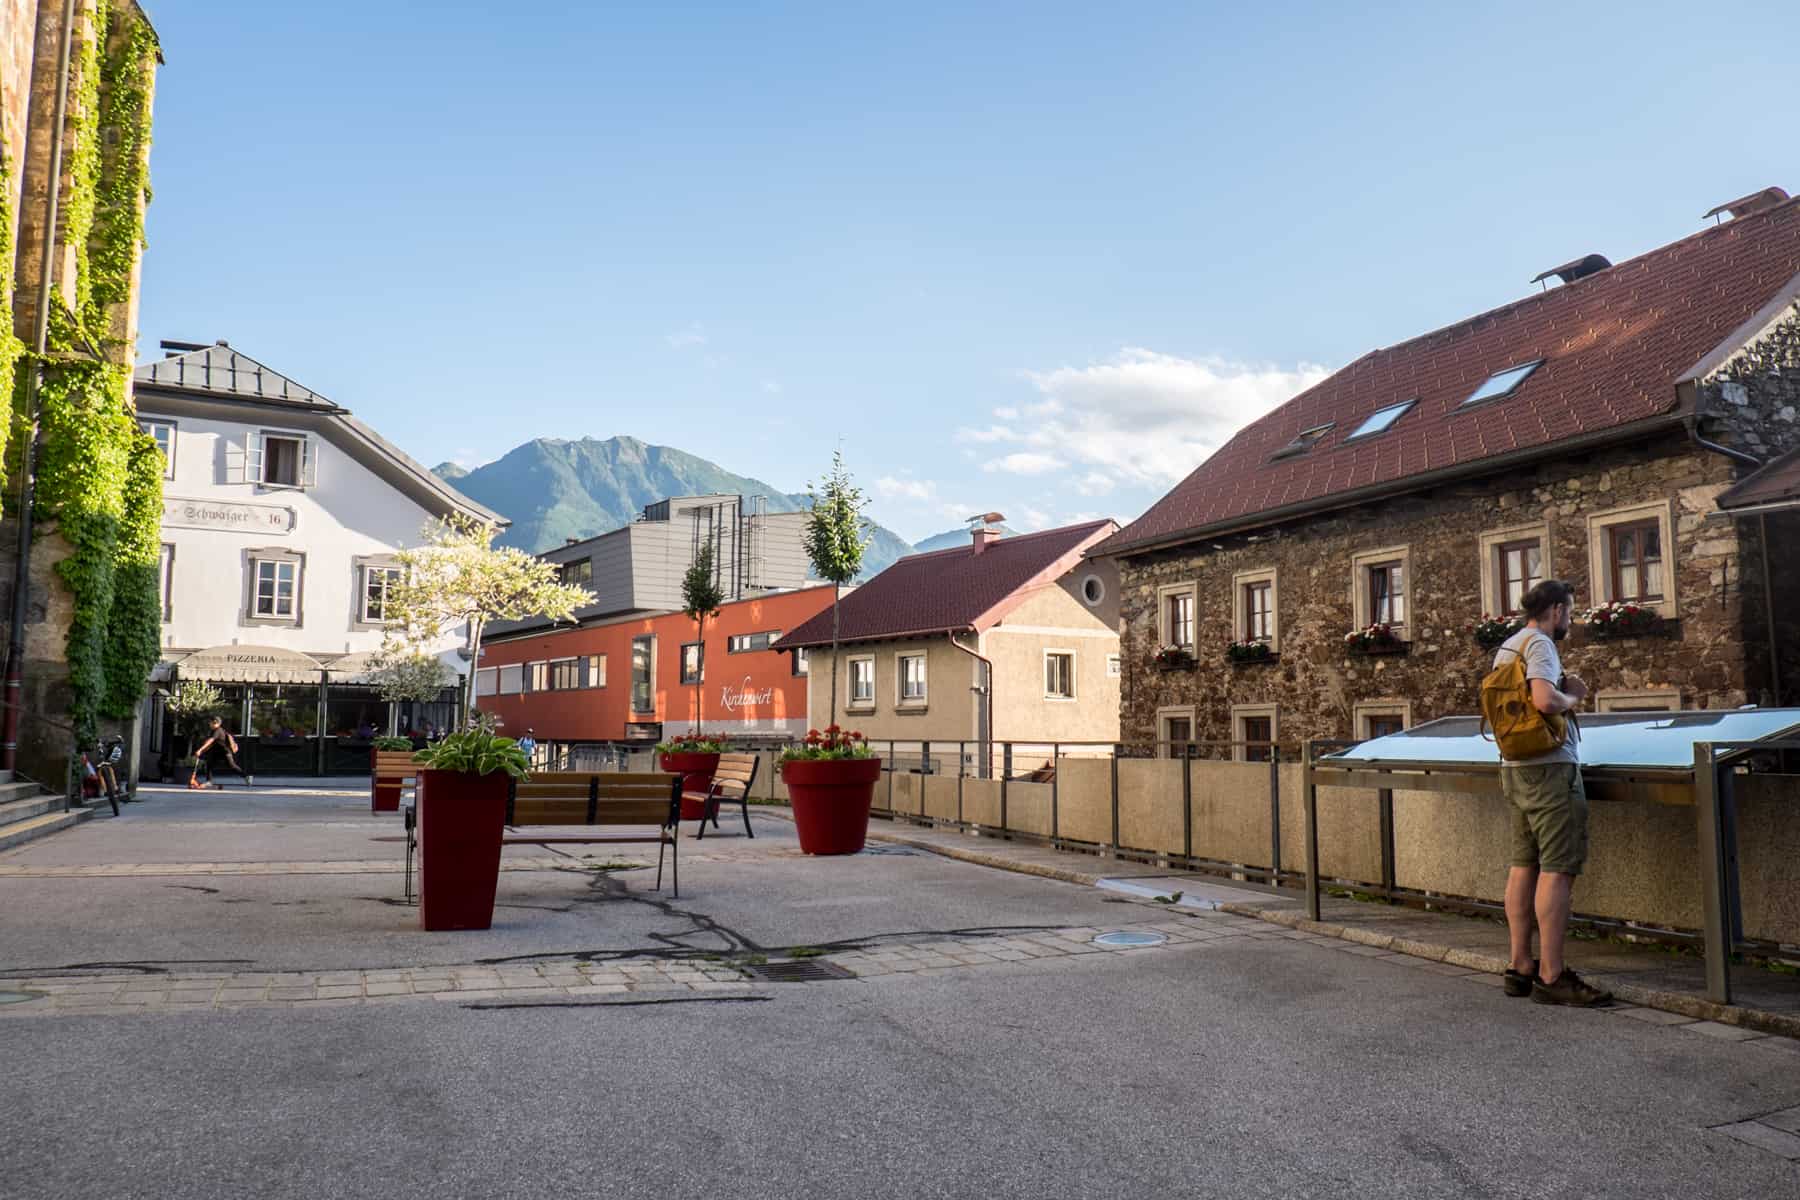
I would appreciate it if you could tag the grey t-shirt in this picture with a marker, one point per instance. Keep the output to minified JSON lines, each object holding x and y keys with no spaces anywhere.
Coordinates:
{"x":1541,"y":662}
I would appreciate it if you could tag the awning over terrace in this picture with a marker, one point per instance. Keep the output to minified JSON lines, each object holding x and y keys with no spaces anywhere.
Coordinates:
{"x":249,"y":664}
{"x":1687,"y":758}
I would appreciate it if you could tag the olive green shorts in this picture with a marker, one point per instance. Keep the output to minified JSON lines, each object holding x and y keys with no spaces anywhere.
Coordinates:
{"x":1550,"y":816}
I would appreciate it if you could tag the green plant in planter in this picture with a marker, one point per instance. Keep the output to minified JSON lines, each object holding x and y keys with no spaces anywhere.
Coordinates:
{"x":691,"y":743}
{"x":476,"y":752}
{"x":829,"y":743}
{"x":391,"y":743}
{"x":1249,"y":650}
{"x":192,"y":703}
{"x":1491,"y":631}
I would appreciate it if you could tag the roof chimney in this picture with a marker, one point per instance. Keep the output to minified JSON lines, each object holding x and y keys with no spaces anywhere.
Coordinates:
{"x":982,"y":531}
{"x":1743,"y":206}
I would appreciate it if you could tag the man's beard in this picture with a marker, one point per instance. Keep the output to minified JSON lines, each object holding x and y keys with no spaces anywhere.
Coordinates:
{"x":1559,"y":633}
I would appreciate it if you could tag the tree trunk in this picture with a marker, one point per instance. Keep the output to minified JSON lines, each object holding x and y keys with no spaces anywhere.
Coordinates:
{"x":474,"y":663}
{"x":700,"y":675}
{"x":836,"y":591}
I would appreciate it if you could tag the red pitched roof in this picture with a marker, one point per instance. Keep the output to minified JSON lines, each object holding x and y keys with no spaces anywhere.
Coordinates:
{"x":950,"y":590}
{"x":1776,"y":482}
{"x":1614,"y":347}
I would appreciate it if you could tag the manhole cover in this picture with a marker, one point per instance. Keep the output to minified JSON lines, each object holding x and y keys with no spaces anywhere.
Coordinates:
{"x":1130,"y":939}
{"x":18,"y":997}
{"x":805,"y":971}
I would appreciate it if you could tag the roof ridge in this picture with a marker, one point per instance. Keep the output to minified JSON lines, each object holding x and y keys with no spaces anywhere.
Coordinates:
{"x":1015,"y":538}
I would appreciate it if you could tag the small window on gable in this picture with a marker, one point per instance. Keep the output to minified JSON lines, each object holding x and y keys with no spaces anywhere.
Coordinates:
{"x":1381,"y":420}
{"x":1305,"y":440}
{"x":1502,"y":383}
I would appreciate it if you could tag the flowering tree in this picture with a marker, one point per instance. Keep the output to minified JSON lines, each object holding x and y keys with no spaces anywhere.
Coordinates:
{"x":460,"y":579}
{"x":836,"y":535}
{"x":404,"y":675}
{"x":700,"y":601}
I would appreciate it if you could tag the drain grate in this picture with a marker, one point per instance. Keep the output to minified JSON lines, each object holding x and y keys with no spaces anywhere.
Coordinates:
{"x":809,"y":970}
{"x":1130,"y":939}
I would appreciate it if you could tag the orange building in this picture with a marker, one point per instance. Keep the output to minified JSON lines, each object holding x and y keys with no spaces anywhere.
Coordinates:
{"x":632,"y":678}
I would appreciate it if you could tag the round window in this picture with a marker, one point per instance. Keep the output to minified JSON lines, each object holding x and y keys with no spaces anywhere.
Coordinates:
{"x":1093,"y":590}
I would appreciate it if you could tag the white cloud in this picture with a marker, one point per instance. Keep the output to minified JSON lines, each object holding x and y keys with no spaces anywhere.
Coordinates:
{"x":771,"y":386}
{"x":681,"y":339}
{"x":1141,"y":418}
{"x":1033,"y":519}
{"x":892,"y":487}
{"x":1024,"y":462}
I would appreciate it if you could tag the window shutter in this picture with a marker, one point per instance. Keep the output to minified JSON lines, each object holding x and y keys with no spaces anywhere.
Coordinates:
{"x":253,"y":468}
{"x":309,"y":464}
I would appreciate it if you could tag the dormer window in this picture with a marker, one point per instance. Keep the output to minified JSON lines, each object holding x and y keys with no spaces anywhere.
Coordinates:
{"x":1381,"y":420}
{"x":1502,"y":383}
{"x":1305,"y":440}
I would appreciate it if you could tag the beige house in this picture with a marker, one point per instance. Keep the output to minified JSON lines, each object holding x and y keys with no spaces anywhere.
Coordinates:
{"x":989,"y":654}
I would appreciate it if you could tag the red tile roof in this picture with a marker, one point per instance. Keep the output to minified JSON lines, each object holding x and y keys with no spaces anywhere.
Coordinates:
{"x":1615,"y":345}
{"x":955,"y":589}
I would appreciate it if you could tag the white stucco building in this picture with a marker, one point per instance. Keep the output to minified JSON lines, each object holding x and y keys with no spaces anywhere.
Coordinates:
{"x":281,"y":517}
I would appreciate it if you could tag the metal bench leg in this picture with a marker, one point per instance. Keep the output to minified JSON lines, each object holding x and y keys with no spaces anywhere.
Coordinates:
{"x":659,"y":858}
{"x":748,"y":832}
{"x":675,"y":865}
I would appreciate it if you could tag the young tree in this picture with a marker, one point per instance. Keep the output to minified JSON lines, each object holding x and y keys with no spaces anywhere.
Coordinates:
{"x":460,"y":578}
{"x":404,"y":676}
{"x":836,"y":536}
{"x":192,"y":703}
{"x":700,"y":601}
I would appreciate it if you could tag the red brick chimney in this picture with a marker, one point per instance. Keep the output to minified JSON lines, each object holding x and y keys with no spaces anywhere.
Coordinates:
{"x":982,"y":530}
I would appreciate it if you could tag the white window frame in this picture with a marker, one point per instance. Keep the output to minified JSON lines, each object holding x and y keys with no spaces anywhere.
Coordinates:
{"x":901,"y":699}
{"x":1240,"y":611}
{"x":1362,"y":710}
{"x":150,"y":425}
{"x":278,"y":558}
{"x":739,"y":643}
{"x":364,"y":567}
{"x":1667,"y":699}
{"x":1600,"y":566}
{"x":593,"y":670}
{"x":486,"y":681}
{"x":1114,"y":666}
{"x":1074,"y":667}
{"x":1164,"y":635}
{"x":1179,"y":712}
{"x":851,"y":700}
{"x":1359,"y":587}
{"x":1493,"y":602}
{"x":512,"y":684}
{"x":681,"y":671}
{"x":572,"y":661}
{"x":307,"y":469}
{"x":1239,"y":712}
{"x":165,"y":569}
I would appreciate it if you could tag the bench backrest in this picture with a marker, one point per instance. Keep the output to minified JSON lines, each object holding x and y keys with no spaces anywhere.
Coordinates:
{"x":595,"y":798}
{"x":395,"y":764}
{"x":735,"y":774}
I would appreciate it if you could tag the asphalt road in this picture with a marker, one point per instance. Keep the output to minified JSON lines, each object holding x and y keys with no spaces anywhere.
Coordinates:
{"x":1232,"y":1068}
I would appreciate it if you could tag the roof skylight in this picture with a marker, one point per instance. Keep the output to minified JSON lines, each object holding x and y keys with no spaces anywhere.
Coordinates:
{"x":1380,"y":420}
{"x":1502,"y":383}
{"x":1305,"y":440}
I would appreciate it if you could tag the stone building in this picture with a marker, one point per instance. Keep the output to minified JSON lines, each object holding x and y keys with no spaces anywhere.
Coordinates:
{"x":1584,"y":433}
{"x":76,"y":88}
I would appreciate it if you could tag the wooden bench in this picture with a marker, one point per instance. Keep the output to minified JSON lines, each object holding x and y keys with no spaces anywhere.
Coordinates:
{"x":730,"y":782}
{"x":394,"y":768}
{"x":603,"y":800}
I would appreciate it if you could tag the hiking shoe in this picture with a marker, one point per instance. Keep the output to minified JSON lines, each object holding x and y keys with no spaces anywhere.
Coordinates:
{"x":1517,"y":984}
{"x":1569,"y":988}
{"x":249,"y":781}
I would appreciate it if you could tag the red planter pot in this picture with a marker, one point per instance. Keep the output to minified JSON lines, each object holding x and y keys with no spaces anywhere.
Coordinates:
{"x":831,"y":800}
{"x":461,"y":818}
{"x":696,"y":771}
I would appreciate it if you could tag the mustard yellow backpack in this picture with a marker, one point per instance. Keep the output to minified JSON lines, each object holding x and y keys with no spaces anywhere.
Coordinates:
{"x":1519,"y":729}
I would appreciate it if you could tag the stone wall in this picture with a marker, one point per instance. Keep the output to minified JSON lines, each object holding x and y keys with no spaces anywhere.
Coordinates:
{"x":1316,"y":683}
{"x":18,"y":28}
{"x":1751,"y":402}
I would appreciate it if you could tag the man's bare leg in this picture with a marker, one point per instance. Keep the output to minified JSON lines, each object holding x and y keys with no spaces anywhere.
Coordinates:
{"x":1521,"y":887}
{"x":1553,"y":890}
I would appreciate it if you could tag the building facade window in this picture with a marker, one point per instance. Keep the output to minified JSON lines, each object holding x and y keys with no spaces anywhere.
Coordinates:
{"x":537,"y":677}
{"x":275,"y":590}
{"x":579,"y":573}
{"x":1175,"y":733}
{"x":512,"y":679}
{"x":911,"y":672}
{"x":376,"y":583}
{"x":1254,"y":608}
{"x":1175,"y":606}
{"x":693,"y":662}
{"x":1381,"y":586}
{"x":485,"y":682}
{"x":1521,"y":568}
{"x":284,"y":460}
{"x":1254,"y":728}
{"x":1631,"y":556}
{"x":643,"y":673}
{"x":593,"y":670}
{"x":741,"y":643}
{"x":802,"y":662}
{"x":165,"y":573}
{"x":164,"y":433}
{"x":1513,"y":561}
{"x":1378,"y":718}
{"x":565,"y":674}
{"x":1059,"y":674}
{"x":1112,"y":666}
{"x":861,"y":681}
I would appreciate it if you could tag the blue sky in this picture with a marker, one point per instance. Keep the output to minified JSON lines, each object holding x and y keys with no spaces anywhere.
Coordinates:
{"x":1038,"y":258}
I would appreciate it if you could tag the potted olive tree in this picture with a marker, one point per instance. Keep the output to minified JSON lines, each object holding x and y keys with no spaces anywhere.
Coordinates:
{"x":193,"y":702}
{"x":694,"y":756}
{"x":460,"y":580}
{"x":462,"y":814}
{"x":401,"y":676}
{"x":831,"y":778}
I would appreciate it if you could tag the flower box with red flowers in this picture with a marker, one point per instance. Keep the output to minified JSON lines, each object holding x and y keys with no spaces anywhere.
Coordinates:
{"x":829,"y":743}
{"x":1622,"y":619}
{"x":1173,"y":658}
{"x":1249,"y":651}
{"x":1374,"y":639}
{"x":1491,"y":631}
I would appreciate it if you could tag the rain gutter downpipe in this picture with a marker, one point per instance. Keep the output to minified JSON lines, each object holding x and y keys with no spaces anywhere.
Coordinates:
{"x":15,"y":656}
{"x":984,"y":725}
